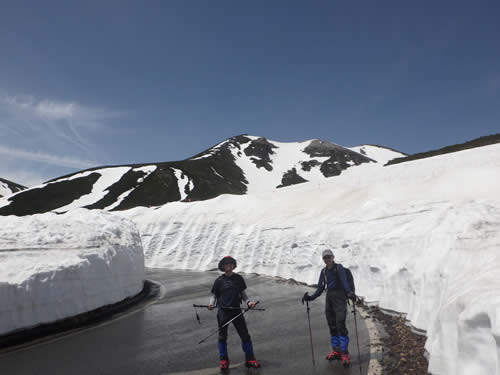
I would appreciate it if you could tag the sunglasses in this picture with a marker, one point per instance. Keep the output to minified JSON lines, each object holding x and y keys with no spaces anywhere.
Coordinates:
{"x":327,"y":257}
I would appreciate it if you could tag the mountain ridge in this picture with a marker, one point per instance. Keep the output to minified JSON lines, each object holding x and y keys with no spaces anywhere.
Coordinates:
{"x":243,"y":164}
{"x":237,"y":165}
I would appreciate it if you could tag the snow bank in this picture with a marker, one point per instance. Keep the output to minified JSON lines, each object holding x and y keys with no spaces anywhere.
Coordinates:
{"x":55,"y":266}
{"x":421,"y":237}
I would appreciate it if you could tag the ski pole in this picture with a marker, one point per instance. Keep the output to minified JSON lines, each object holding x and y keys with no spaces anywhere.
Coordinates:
{"x":197,"y":316}
{"x":227,"y":307}
{"x":357,"y":338}
{"x":310,"y":334}
{"x":225,"y":324}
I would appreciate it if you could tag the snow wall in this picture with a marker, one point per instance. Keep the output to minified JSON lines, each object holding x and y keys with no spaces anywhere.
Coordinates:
{"x":56,"y":266}
{"x":421,"y":238}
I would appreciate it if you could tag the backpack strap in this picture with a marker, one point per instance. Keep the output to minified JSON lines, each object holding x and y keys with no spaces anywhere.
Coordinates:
{"x":337,"y":277}
{"x":323,"y":271}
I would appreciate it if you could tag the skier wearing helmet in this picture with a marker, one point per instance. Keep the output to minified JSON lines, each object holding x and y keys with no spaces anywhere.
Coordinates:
{"x":228,"y":292}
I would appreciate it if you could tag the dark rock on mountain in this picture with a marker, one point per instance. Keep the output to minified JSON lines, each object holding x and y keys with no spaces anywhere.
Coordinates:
{"x":291,"y":178}
{"x":262,"y":149}
{"x":157,"y":188}
{"x":340,"y":158}
{"x":128,"y":181}
{"x":307,"y":165}
{"x":50,"y":196}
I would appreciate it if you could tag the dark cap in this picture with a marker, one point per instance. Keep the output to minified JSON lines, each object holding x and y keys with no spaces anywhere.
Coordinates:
{"x":225,"y":260}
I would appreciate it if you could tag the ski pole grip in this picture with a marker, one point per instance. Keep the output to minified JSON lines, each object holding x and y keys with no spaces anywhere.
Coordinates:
{"x":256,"y":303}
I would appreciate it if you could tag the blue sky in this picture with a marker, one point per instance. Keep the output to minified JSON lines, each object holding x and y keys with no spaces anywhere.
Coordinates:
{"x":92,"y":83}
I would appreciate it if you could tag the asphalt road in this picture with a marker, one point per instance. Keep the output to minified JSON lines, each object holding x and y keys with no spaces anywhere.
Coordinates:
{"x":162,"y":338}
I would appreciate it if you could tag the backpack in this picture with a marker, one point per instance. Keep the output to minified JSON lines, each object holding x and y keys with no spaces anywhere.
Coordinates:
{"x":350,"y":279}
{"x":348,"y":276}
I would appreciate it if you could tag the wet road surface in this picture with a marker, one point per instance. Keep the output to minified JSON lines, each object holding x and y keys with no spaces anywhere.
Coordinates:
{"x":163,"y":337}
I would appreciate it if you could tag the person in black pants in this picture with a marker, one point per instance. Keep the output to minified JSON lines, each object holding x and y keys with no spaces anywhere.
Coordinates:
{"x":228,"y":292}
{"x":333,"y":279}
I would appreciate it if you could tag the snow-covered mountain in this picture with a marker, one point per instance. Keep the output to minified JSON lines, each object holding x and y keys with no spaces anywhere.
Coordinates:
{"x":238,"y":165}
{"x":8,"y":188}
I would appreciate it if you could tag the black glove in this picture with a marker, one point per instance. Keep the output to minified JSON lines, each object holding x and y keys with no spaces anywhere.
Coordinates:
{"x":307,"y":297}
{"x":352,"y":297}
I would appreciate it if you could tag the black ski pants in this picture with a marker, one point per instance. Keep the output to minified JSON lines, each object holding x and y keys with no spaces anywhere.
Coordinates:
{"x":224,"y":316}
{"x":336,"y":312}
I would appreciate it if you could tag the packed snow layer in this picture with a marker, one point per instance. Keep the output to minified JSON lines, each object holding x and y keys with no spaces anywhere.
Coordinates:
{"x":56,"y":266}
{"x":421,"y":237}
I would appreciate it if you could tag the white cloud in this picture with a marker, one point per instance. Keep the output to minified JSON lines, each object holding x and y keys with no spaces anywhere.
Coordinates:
{"x":46,"y":109}
{"x":42,"y":157}
{"x":50,"y":134}
{"x":55,"y":110}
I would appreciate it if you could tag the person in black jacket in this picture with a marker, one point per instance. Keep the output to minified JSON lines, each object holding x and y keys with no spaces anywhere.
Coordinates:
{"x":333,"y":279}
{"x":228,"y":292}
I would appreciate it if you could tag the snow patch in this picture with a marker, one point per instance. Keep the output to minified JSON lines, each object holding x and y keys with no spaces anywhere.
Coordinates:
{"x":148,"y":170}
{"x":217,"y":173}
{"x":108,"y":177}
{"x":183,"y":181}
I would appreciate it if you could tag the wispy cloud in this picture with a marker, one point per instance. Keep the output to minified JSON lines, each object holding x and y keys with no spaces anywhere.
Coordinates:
{"x":57,"y":110}
{"x":42,"y":157}
{"x":52,"y":132}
